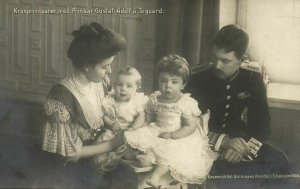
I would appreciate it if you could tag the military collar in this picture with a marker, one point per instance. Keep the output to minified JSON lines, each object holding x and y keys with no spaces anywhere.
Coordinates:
{"x":233,"y":76}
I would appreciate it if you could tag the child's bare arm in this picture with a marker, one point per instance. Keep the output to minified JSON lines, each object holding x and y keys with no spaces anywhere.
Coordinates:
{"x":139,"y":120}
{"x":111,"y":124}
{"x":107,"y":121}
{"x":188,"y":127}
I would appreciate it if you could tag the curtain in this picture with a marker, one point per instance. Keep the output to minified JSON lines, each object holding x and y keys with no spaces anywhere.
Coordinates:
{"x":187,"y":28}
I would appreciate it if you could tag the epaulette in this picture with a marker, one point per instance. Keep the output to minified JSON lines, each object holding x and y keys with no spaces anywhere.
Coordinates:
{"x":251,"y":66}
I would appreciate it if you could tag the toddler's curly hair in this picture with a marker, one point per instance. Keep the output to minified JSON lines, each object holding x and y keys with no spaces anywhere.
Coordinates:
{"x":175,"y":65}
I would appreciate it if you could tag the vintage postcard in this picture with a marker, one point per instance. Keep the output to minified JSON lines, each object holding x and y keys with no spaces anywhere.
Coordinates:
{"x":149,"y":94}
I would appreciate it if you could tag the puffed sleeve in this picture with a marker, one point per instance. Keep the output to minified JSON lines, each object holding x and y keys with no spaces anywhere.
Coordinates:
{"x":189,"y":107}
{"x":151,"y":102}
{"x":140,"y":100}
{"x":60,"y":134}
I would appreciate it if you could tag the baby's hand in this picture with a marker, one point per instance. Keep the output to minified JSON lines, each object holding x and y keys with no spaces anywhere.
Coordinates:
{"x":130,"y":129}
{"x":165,"y":135}
{"x":116,"y":128}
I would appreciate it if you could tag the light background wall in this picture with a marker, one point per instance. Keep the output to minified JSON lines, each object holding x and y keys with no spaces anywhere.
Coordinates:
{"x":33,"y":46}
{"x":274,"y":30}
{"x":274,"y":26}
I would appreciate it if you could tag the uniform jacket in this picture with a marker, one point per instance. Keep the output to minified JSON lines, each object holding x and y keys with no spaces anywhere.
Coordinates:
{"x":238,"y":106}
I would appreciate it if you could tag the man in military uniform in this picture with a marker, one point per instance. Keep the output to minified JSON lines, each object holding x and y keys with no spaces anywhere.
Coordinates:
{"x":239,"y":116}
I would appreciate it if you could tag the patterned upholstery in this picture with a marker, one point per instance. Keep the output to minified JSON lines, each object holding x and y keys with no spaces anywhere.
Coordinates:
{"x":285,"y":125}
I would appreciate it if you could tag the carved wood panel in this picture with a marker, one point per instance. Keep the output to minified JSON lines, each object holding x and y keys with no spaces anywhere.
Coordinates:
{"x":33,"y":46}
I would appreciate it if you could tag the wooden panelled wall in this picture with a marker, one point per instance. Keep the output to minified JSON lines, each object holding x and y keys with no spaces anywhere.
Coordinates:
{"x":33,"y":46}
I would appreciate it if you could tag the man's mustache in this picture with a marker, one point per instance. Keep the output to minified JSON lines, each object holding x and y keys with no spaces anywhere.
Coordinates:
{"x":217,"y":70}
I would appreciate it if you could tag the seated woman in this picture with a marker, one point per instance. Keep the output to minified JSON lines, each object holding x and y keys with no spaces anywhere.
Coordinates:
{"x":74,"y":108}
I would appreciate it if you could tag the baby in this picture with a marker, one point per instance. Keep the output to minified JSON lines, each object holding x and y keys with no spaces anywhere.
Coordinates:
{"x":123,"y":110}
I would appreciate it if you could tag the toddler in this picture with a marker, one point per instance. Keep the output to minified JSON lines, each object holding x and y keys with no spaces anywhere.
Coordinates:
{"x":172,"y":137}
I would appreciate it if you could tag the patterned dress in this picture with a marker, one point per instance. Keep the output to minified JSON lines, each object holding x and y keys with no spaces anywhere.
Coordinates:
{"x":190,"y":158}
{"x":75,"y":115}
{"x":74,"y":119}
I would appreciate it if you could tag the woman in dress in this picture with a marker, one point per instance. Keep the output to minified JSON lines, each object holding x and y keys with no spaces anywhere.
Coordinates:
{"x":74,"y":107}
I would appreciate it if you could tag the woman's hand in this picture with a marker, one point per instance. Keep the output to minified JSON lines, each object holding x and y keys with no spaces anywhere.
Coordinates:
{"x":117,"y":141}
{"x":165,"y":135}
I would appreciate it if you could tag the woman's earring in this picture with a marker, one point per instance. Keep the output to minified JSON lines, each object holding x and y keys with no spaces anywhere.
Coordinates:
{"x":87,"y":70}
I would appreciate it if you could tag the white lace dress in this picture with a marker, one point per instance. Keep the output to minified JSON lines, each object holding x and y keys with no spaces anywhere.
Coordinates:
{"x":190,"y":158}
{"x":123,"y":113}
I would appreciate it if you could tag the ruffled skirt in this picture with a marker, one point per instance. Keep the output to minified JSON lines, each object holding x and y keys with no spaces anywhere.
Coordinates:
{"x":189,"y":159}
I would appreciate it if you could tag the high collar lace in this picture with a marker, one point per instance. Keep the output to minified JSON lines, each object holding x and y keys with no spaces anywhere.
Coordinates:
{"x":81,"y":83}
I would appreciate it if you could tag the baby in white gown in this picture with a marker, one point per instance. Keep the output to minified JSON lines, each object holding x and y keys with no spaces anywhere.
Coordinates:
{"x":123,"y":110}
{"x":172,"y":137}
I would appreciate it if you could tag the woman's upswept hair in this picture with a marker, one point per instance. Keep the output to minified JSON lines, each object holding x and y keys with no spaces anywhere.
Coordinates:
{"x":176,"y":65}
{"x":94,"y":43}
{"x":128,"y":70}
{"x":232,"y":38}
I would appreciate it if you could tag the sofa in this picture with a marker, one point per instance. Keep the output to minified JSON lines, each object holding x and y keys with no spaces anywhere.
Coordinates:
{"x":22,"y":162}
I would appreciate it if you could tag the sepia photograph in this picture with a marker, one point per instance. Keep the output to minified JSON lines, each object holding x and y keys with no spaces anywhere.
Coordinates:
{"x":150,"y":94}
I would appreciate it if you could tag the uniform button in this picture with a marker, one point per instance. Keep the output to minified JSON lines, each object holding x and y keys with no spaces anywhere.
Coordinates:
{"x":226,"y":114}
{"x":228,"y":97}
{"x":227,"y":86}
{"x":227,"y":106}
{"x":223,"y":125}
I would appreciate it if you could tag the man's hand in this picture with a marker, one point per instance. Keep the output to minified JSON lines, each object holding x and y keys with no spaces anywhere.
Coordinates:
{"x":232,"y":156}
{"x":236,"y":144}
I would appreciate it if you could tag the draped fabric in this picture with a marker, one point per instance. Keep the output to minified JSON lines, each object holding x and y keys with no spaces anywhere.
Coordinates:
{"x":187,"y":28}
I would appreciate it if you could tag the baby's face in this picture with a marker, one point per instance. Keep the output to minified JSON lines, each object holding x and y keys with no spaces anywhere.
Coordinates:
{"x":125,"y":87}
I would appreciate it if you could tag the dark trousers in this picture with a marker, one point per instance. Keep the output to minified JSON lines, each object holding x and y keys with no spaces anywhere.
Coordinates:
{"x":260,"y":172}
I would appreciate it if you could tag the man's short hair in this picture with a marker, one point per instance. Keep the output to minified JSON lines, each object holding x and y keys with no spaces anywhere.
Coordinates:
{"x":232,"y":38}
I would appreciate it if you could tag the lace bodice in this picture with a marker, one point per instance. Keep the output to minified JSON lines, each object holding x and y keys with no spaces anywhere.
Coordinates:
{"x":125,"y":112}
{"x":168,"y":116}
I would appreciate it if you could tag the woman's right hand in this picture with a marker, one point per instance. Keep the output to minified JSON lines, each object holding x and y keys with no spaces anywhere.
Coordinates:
{"x":118,"y":140}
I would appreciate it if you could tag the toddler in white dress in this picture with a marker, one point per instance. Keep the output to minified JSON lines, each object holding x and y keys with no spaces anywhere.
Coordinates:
{"x":172,"y":137}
